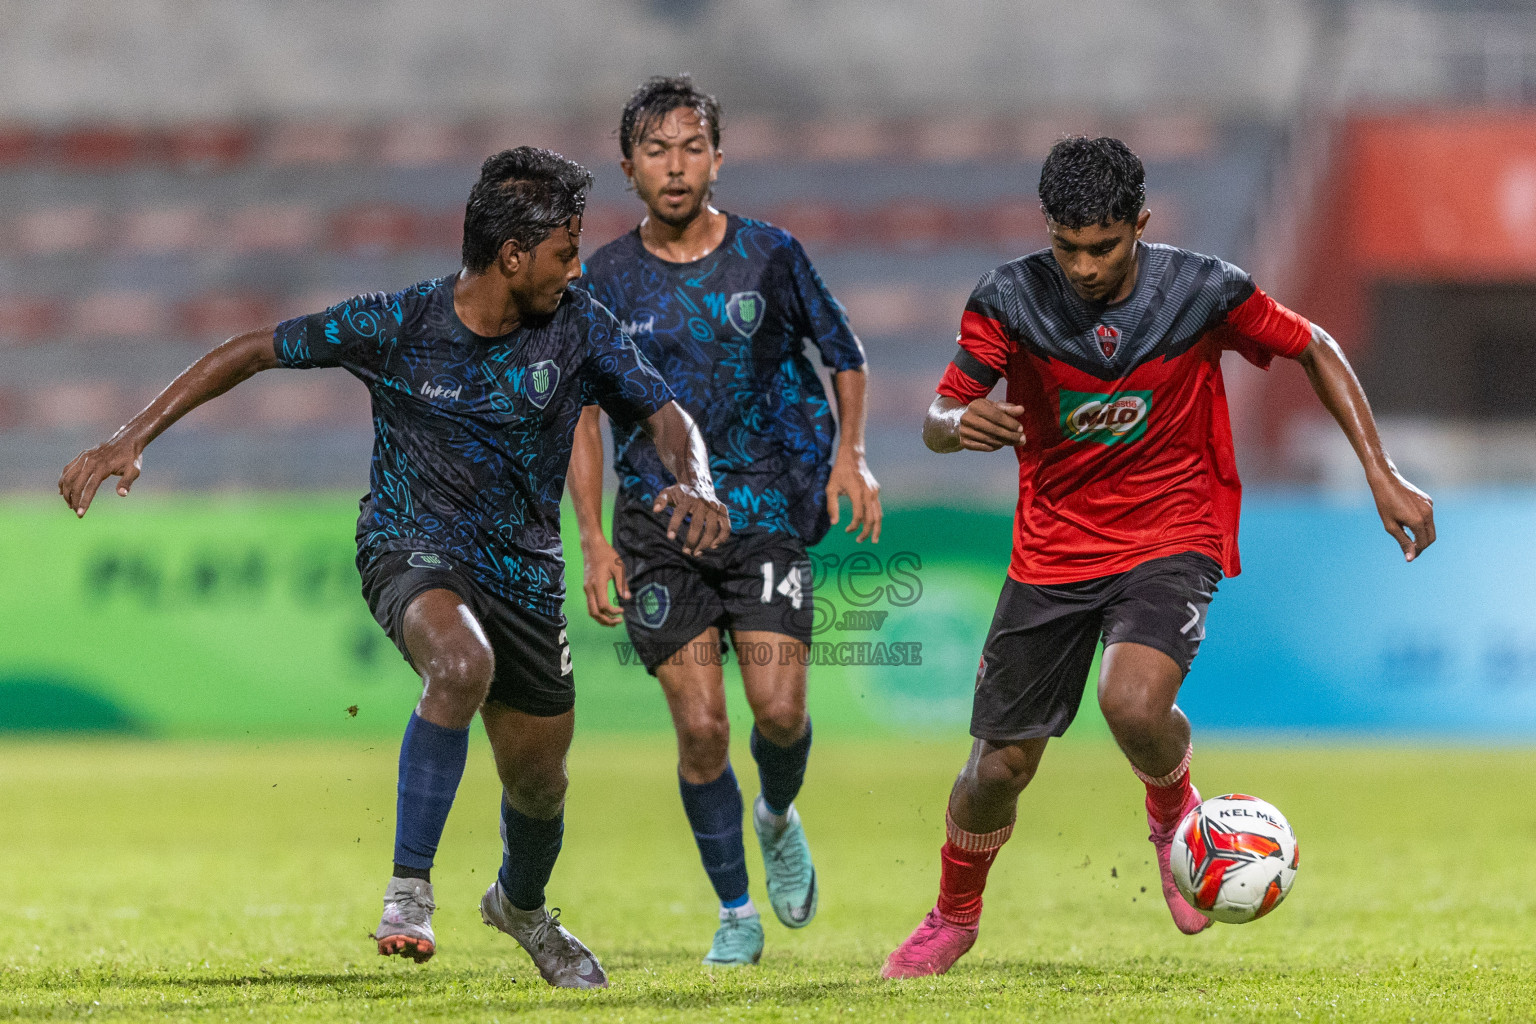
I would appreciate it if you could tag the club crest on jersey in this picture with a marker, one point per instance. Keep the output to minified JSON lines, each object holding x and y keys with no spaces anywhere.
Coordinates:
{"x":1105,"y":419}
{"x":745,"y":311}
{"x":1109,"y":340}
{"x":540,"y":381}
{"x":653,"y":601}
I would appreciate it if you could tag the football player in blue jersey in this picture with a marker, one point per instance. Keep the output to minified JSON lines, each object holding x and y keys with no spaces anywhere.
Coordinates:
{"x":477,"y":380}
{"x":723,"y":306}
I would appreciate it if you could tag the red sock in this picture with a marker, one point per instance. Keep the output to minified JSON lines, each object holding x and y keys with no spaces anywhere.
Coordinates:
{"x":1166,"y":794}
{"x":966,"y":859}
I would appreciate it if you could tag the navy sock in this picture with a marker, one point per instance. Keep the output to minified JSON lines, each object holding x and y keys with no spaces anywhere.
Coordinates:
{"x":714,"y":811}
{"x":529,"y":848}
{"x":431,"y":763}
{"x":781,"y":770}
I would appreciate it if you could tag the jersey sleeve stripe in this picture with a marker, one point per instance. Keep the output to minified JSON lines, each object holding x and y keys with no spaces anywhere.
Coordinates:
{"x":986,"y":339}
{"x":1243,"y":291}
{"x":975,"y":369}
{"x":961,"y":386}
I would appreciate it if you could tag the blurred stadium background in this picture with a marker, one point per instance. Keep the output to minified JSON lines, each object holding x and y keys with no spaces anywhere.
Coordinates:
{"x":174,"y":172}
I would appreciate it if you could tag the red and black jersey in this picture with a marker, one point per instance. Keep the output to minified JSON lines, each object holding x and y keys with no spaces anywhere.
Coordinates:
{"x":1128,"y":448}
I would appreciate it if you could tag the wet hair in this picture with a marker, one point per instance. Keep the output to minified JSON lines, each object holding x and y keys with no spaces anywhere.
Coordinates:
{"x":657,"y":98}
{"x":523,"y":194}
{"x":1092,"y":181}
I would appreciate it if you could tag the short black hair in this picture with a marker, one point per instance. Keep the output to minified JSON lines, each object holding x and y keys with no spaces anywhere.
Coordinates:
{"x":657,"y":98}
{"x":1092,"y":181}
{"x":523,"y":194}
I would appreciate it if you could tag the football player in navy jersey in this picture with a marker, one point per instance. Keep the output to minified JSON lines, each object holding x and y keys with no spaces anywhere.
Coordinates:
{"x":477,"y":380}
{"x":723,"y":306}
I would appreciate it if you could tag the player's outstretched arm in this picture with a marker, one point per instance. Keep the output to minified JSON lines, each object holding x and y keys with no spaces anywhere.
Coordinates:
{"x":122,"y":455}
{"x":600,"y":564}
{"x":981,"y":426}
{"x":692,"y":498}
{"x":1406,"y":512}
{"x":850,"y":473}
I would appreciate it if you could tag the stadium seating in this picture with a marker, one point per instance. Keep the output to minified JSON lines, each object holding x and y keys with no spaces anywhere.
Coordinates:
{"x":127,"y":249}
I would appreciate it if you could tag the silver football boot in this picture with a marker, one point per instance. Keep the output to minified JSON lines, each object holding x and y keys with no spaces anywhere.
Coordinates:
{"x":406,"y":927}
{"x":561,"y":958}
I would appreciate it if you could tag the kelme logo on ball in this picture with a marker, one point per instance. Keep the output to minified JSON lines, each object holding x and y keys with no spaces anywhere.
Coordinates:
{"x":540,"y":382}
{"x":745,"y":312}
{"x":1105,"y":419}
{"x":653,"y":601}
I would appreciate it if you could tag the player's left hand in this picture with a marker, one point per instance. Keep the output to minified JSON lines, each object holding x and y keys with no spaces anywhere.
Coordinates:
{"x":852,"y":477}
{"x":1407,"y":512}
{"x":709,"y":522}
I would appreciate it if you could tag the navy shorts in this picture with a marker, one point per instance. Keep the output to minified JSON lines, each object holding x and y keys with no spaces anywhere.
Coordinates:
{"x":533,"y":659}
{"x":756,"y":581}
{"x":1035,"y":663}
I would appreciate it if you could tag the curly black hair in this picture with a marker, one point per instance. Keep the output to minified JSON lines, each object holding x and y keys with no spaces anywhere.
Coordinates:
{"x":658,"y":97}
{"x":1092,"y":181}
{"x":523,"y":194}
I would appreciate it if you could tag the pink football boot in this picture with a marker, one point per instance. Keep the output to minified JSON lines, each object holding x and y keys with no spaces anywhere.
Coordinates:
{"x":1189,"y":920}
{"x":932,"y":949}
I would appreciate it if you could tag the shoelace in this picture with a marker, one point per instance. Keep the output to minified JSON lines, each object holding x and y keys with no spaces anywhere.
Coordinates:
{"x":930,"y":937}
{"x":412,"y":897}
{"x":792,"y":856}
{"x":541,"y":930}
{"x":735,"y":933}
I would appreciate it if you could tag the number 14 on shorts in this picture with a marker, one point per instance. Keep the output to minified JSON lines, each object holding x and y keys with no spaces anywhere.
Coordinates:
{"x":789,"y":586}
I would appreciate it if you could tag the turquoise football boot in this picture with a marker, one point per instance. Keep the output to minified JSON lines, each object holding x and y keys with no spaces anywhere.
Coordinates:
{"x":787,"y":859}
{"x":738,"y":941}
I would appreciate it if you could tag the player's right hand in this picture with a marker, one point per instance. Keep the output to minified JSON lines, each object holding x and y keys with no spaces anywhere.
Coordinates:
{"x":709,"y":522}
{"x":986,"y":426}
{"x":600,"y":565}
{"x":118,"y":457}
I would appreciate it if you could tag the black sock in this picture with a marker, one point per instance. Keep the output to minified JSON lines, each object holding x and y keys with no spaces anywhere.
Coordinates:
{"x":781,"y":770}
{"x":529,"y":847}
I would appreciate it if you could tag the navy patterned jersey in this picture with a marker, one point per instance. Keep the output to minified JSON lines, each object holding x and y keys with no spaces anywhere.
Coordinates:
{"x":728,"y":333}
{"x":472,"y":435}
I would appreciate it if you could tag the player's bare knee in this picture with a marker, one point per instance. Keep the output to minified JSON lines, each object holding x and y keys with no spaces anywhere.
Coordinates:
{"x":703,"y":741}
{"x":461,"y":677}
{"x":996,"y":777}
{"x":782,"y":722}
{"x":540,"y":795}
{"x":1133,"y":714}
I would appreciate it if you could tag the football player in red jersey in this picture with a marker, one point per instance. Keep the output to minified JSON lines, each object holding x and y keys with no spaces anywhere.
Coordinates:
{"x":1128,"y":501}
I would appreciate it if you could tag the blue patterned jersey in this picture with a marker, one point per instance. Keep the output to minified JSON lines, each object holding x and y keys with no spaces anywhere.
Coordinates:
{"x":472,"y":435}
{"x":728,"y":333}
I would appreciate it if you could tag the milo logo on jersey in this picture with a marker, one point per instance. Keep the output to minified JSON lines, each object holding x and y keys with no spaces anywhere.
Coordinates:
{"x":1105,"y":419}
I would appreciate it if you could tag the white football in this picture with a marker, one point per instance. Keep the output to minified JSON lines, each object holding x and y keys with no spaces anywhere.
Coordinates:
{"x":1234,"y":858}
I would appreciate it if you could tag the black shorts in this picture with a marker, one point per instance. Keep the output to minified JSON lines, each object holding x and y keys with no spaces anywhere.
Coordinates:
{"x":1035,"y":663}
{"x":533,"y":659}
{"x":753,"y":581}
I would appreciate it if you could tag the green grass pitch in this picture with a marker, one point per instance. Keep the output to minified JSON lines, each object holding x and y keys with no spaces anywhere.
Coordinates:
{"x":169,"y":881}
